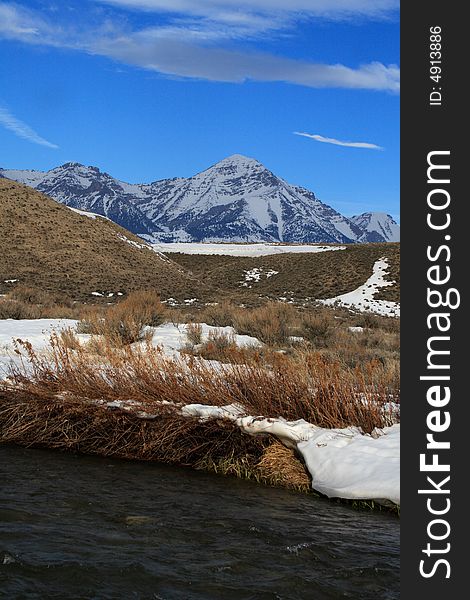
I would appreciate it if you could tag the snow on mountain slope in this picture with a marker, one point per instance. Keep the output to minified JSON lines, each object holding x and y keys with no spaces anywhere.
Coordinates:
{"x":377,"y":227}
{"x":90,"y":190}
{"x":237,"y":199}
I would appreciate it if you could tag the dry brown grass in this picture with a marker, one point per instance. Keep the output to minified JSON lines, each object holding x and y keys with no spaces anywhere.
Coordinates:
{"x":23,"y":302}
{"x":220,"y":314}
{"x":69,"y":423}
{"x":13,"y":309}
{"x":271,"y":323}
{"x":304,"y":386}
{"x":227,"y":352}
{"x":218,"y":446}
{"x":317,"y":328}
{"x":281,"y":465}
{"x":323,"y":329}
{"x":61,"y":402}
{"x":29,"y":295}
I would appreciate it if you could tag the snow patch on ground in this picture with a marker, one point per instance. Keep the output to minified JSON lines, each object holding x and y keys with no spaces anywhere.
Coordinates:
{"x":261,"y":249}
{"x":256,"y":274}
{"x":90,"y":215}
{"x":362,"y":298}
{"x":343,"y":463}
{"x":171,"y":338}
{"x":139,"y":245}
{"x":36,"y":331}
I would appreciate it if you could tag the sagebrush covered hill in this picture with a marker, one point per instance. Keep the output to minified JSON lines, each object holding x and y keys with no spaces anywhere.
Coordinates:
{"x":44,"y":244}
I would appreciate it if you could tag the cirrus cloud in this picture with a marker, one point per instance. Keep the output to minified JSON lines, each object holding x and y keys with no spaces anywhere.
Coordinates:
{"x":248,"y":17}
{"x":22,"y":130}
{"x":184,"y":50}
{"x":331,"y":9}
{"x":327,"y":140}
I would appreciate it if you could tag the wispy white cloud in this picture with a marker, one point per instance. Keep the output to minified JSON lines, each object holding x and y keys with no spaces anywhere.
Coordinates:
{"x":250,"y":17}
{"x":15,"y":22}
{"x":21,"y":129}
{"x":327,"y":140}
{"x":331,"y":9}
{"x":173,"y":57}
{"x":194,"y":52}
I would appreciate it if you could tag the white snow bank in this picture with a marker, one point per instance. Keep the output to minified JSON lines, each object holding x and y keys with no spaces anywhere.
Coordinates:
{"x":35,"y":331}
{"x":260,"y":249}
{"x":173,"y":338}
{"x":362,"y":298}
{"x":343,"y":463}
{"x":168,"y":337}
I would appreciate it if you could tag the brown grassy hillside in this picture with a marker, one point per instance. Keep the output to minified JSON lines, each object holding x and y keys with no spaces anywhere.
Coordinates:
{"x":44,"y":244}
{"x":299,"y":276}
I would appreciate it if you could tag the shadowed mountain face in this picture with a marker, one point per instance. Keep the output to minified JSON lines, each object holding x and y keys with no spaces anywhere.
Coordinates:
{"x":237,"y":199}
{"x":48,"y":246}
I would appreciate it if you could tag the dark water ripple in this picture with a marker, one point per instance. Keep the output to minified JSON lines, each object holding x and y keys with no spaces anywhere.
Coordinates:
{"x":75,"y":527}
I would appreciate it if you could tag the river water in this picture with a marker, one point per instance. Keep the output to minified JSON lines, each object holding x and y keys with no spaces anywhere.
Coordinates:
{"x":79,"y":527}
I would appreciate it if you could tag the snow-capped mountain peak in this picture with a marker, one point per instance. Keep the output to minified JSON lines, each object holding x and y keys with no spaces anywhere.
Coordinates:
{"x":377,"y":227}
{"x":238,"y":161}
{"x":237,"y":199}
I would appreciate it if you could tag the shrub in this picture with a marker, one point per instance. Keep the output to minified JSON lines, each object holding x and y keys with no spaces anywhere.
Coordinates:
{"x":221,"y":340}
{"x":30,"y":295}
{"x":144,"y":306}
{"x":372,"y":321}
{"x":14,"y":309}
{"x":270,"y":323}
{"x":69,"y":339}
{"x":194,"y":333}
{"x":218,"y":345}
{"x":124,"y":323}
{"x":220,"y":315}
{"x":317,"y":328}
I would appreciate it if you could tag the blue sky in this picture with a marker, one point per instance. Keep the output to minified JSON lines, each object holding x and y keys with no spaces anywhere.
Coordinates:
{"x":150,"y":89}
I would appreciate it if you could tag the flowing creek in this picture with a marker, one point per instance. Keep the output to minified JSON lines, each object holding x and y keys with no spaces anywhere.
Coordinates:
{"x":79,"y":527}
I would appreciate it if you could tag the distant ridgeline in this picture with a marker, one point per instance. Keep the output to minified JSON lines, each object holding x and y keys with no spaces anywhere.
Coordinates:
{"x":237,"y":200}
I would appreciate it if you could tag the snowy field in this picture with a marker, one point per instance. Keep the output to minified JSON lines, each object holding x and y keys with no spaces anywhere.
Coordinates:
{"x":36,"y":331}
{"x":259,"y":249}
{"x":168,"y":337}
{"x":343,"y":463}
{"x":362,"y":298}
